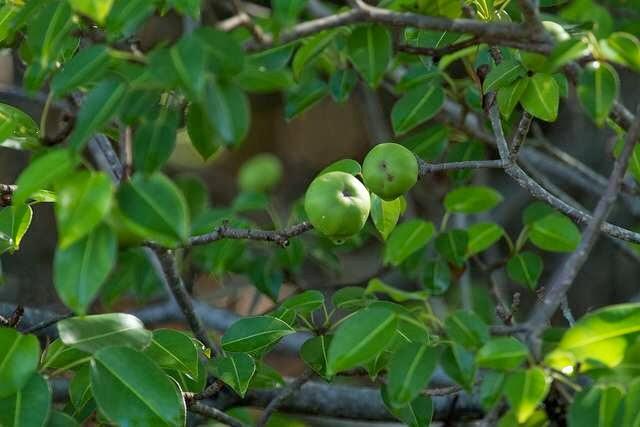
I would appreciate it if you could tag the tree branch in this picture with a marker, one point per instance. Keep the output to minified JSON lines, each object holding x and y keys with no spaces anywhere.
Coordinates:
{"x":280,"y":237}
{"x":561,"y":282}
{"x":213,"y":413}
{"x":282,"y":396}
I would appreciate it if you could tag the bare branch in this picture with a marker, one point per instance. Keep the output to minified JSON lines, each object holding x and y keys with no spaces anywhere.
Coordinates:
{"x":280,"y":237}
{"x":439,"y":51}
{"x":561,"y":282}
{"x":282,"y":396}
{"x":213,"y":413}
{"x":425,"y":167}
{"x":521,"y":133}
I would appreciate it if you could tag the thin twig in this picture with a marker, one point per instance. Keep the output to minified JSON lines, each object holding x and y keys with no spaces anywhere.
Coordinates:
{"x":438,"y":51}
{"x":561,"y":282}
{"x":521,"y":133}
{"x":280,"y":237}
{"x":214,"y":413}
{"x":425,"y":167}
{"x":283,"y":395}
{"x":46,"y":323}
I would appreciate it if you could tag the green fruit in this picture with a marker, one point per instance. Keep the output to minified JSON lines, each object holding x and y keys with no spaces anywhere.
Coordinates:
{"x":390,"y":170}
{"x":556,"y":30}
{"x":337,"y":204}
{"x":260,"y":173}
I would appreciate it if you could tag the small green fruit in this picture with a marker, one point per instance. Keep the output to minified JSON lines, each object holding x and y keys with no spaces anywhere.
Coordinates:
{"x":390,"y":170}
{"x":260,"y":173}
{"x":337,"y":204}
{"x":556,"y":30}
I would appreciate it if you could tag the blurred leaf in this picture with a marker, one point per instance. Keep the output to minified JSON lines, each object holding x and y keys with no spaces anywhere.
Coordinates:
{"x":378,"y":286}
{"x":598,"y":89}
{"x":452,"y":245}
{"x":491,"y":389}
{"x":503,"y":353}
{"x":446,"y":8}
{"x":416,"y":106}
{"x":482,"y":236}
{"x":61,"y":419}
{"x":459,"y":364}
{"x":502,"y":75}
{"x":596,"y":406}
{"x":154,"y":141}
{"x":467,"y":329}
{"x":29,"y":407}
{"x":188,"y":61}
{"x":349,"y":298}
{"x":565,"y":52}
{"x":406,"y":239}
{"x":17,"y":125}
{"x":126,"y":16}
{"x":314,"y":353}
{"x":202,"y":134}
{"x":236,"y":370}
{"x":285,"y":12}
{"x":417,"y":414}
{"x":428,"y":143}
{"x":436,"y":277}
{"x":224,"y":55}
{"x":264,"y":80}
{"x":18,"y":361}
{"x":369,"y":49}
{"x":555,"y":233}
{"x":472,"y":199}
{"x":129,"y":388}
{"x":97,"y":10}
{"x":360,"y":338}
{"x":251,"y":334}
{"x":84,"y":198}
{"x":92,"y":333}
{"x":227,"y":107}
{"x":311,"y":48}
{"x":410,"y":369}
{"x":14,"y":223}
{"x":41,"y":172}
{"x":304,"y":96}
{"x":341,"y":84}
{"x":305,"y":302}
{"x":626,"y":48}
{"x":525,"y":390}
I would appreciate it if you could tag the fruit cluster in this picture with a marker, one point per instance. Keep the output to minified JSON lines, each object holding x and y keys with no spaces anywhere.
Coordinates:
{"x":338,"y":203}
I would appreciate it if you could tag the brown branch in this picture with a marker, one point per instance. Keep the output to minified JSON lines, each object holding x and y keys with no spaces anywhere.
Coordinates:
{"x":280,"y":237}
{"x":561,"y":282}
{"x":438,"y":51}
{"x":521,"y":133}
{"x":425,"y":167}
{"x":213,"y":413}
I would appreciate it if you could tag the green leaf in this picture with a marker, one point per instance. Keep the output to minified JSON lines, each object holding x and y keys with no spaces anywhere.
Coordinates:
{"x":263,"y":80}
{"x":471,"y":199}
{"x":130,"y":389}
{"x":314,"y":353}
{"x":467,"y":329}
{"x":598,"y":334}
{"x":596,"y":406}
{"x":305,"y":302}
{"x":459,"y":364}
{"x":61,"y":419}
{"x":252,"y":334}
{"x":509,"y":96}
{"x":417,"y":106}
{"x":555,"y":233}
{"x":94,"y":9}
{"x":188,"y":60}
{"x":266,"y":377}
{"x":535,"y":212}
{"x":428,"y":143}
{"x":285,"y":12}
{"x":482,"y":236}
{"x":385,"y":214}
{"x":43,"y":171}
{"x":541,"y":97}
{"x":349,"y":298}
{"x":410,"y":369}
{"x":452,"y":245}
{"x":378,"y":286}
{"x":360,"y":338}
{"x":447,"y":8}
{"x":228,"y":109}
{"x":100,"y":105}
{"x":538,"y":419}
{"x":92,"y":333}
{"x":80,"y":270}
{"x":154,"y":141}
{"x":61,"y":357}
{"x":349,"y":166}
{"x":417,"y":414}
{"x":626,"y":48}
{"x":202,"y":134}
{"x":406,"y":239}
{"x":304,"y":96}
{"x":17,"y":126}
{"x":598,"y":89}
{"x":565,"y":52}
{"x":369,"y":49}
{"x":80,"y":387}
{"x":172,"y":349}
{"x":155,"y":208}
{"x":235,"y":370}
{"x":84,"y":198}
{"x":632,"y":399}
{"x":437,"y":277}
{"x":126,"y":15}
{"x":29,"y":407}
{"x":491,"y":389}
{"x":525,"y":390}
{"x":18,"y":360}
{"x":224,"y":55}
{"x":311,"y":48}
{"x":525,"y":268}
{"x":503,"y":353}
{"x":502,"y":75}
{"x":14,"y":223}
{"x":341,"y":84}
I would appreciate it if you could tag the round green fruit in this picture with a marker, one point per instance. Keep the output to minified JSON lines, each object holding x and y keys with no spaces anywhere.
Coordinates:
{"x":390,"y":170}
{"x":337,"y":204}
{"x":260,"y":173}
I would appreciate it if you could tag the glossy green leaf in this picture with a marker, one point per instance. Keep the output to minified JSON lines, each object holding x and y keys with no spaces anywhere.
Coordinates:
{"x":378,"y":286}
{"x":491,"y":389}
{"x":417,"y":414}
{"x":541,"y":97}
{"x":509,"y":96}
{"x":525,"y":390}
{"x":263,"y":80}
{"x":80,"y":392}
{"x":565,"y":52}
{"x":596,"y":406}
{"x":482,"y":236}
{"x":428,"y":143}
{"x":188,"y":60}
{"x":61,"y":419}
{"x":472,"y":199}
{"x":349,"y":298}
{"x":341,"y":84}
{"x":459,"y":364}
{"x":17,"y":127}
{"x":235,"y":370}
{"x":61,"y":357}
{"x":80,"y":270}
{"x":452,"y":245}
{"x":370,"y":51}
{"x":97,"y":10}
{"x":503,"y":353}
{"x":92,"y":333}
{"x":304,"y":96}
{"x":202,"y":134}
{"x":223,"y":53}
{"x":314,"y":353}
{"x":43,"y":171}
{"x":385,"y":214}
{"x":132,"y":390}
{"x":311,"y":48}
{"x":598,"y":89}
{"x":29,"y":407}
{"x":502,"y":75}
{"x":538,"y":419}
{"x":100,"y":105}
{"x":228,"y":109}
{"x":252,"y":334}
{"x":154,"y":141}
{"x":18,"y":360}
{"x":409,"y":371}
{"x":154,"y":207}
{"x":126,"y":16}
{"x":172,"y":349}
{"x":360,"y":338}
{"x":406,"y":239}
{"x":305,"y":302}
{"x":416,"y":106}
{"x":555,"y":233}
{"x":83,"y":200}
{"x":467,"y":329}
{"x":627,"y":49}
{"x":14,"y":223}
{"x":266,"y":377}
{"x":525,"y":268}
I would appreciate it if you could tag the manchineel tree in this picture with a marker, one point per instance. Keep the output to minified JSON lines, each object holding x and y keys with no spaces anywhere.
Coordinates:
{"x":469,"y":79}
